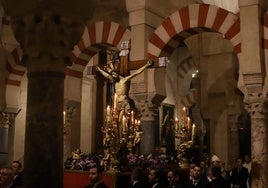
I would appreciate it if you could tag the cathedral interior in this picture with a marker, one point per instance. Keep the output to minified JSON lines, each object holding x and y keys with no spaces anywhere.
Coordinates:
{"x":209,"y":56}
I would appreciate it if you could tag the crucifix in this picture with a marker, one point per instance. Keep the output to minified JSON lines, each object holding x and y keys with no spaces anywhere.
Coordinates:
{"x":121,"y":79}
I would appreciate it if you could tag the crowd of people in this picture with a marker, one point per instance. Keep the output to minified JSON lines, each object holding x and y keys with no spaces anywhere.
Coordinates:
{"x":201,"y":175}
{"x":11,"y":176}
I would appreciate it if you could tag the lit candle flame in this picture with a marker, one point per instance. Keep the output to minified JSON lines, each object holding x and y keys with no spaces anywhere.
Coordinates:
{"x":64,"y":117}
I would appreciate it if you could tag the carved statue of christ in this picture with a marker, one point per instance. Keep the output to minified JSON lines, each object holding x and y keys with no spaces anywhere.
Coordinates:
{"x":121,"y":85}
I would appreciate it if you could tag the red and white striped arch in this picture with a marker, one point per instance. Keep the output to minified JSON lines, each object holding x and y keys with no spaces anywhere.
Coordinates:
{"x":189,"y":99}
{"x":15,"y":68}
{"x":96,"y":37}
{"x":191,"y":20}
{"x":265,"y":24}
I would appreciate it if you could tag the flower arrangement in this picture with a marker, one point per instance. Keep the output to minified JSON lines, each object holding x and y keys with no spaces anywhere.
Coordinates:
{"x":85,"y":161}
{"x":155,"y":160}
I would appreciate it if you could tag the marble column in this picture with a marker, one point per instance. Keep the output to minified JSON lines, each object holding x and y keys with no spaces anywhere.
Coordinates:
{"x":149,"y":126}
{"x":259,"y":142}
{"x":45,"y":37}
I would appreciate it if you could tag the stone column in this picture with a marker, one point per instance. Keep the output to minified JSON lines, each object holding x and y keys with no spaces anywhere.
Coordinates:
{"x":7,"y":123}
{"x":233,"y":137}
{"x":45,"y":38}
{"x":3,"y":75}
{"x":67,"y":130}
{"x":259,"y":140}
{"x":148,"y":92}
{"x":144,"y":16}
{"x":251,"y":12}
{"x":88,"y":114}
{"x":4,"y":138}
{"x":43,"y":159}
{"x":149,"y":126}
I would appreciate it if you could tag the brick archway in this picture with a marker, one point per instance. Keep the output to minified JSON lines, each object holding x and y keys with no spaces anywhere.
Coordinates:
{"x":189,"y":21}
{"x":96,"y":37}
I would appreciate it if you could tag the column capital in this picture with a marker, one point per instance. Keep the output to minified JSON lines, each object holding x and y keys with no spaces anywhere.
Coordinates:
{"x":7,"y":119}
{"x":257,"y":106}
{"x":147,"y":109}
{"x":253,"y":82}
{"x":46,"y":37}
{"x":69,"y":111}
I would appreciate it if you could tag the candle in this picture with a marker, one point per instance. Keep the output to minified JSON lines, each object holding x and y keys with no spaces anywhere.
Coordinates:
{"x":188,"y":123}
{"x":176,"y":124}
{"x":64,"y":117}
{"x":108,"y":113}
{"x":184,"y":112}
{"x":115,"y":101}
{"x":108,"y":110}
{"x":193,"y":131}
{"x":132,"y":117}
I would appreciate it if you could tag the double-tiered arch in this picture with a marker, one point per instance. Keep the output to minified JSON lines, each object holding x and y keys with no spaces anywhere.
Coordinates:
{"x":189,"y":21}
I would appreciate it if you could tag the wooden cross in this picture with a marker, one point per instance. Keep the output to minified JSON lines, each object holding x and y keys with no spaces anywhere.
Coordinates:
{"x":125,"y":66}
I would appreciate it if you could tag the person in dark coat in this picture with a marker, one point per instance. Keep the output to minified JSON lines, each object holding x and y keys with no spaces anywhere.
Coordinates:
{"x":239,"y":175}
{"x":173,"y":179}
{"x":156,"y":178}
{"x":18,"y":174}
{"x":137,"y":178}
{"x":217,"y":180}
{"x":95,"y":177}
{"x":197,"y":181}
